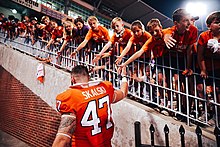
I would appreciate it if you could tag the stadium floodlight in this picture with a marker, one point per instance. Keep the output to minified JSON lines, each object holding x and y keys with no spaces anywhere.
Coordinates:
{"x":14,"y":11}
{"x":196,"y":8}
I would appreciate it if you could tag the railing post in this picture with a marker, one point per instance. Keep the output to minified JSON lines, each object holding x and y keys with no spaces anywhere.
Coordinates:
{"x":137,"y":130}
{"x":182,"y":133}
{"x":166,"y":131}
{"x":152,"y":130}
{"x":199,"y":134}
{"x":217,"y":135}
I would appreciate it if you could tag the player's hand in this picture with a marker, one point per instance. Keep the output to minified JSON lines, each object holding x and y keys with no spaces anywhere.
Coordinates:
{"x":118,"y":60}
{"x":187,"y":72}
{"x":96,"y":59}
{"x":169,"y":41}
{"x":204,"y":74}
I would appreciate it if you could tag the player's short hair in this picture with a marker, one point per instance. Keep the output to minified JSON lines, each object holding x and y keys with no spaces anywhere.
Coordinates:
{"x":92,"y":18}
{"x":153,"y":23}
{"x":114,"y":21}
{"x":213,"y":16}
{"x":137,"y":23}
{"x":179,"y":13}
{"x":80,"y":70}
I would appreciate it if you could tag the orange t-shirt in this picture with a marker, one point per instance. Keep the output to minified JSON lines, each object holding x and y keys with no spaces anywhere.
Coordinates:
{"x":203,"y":40}
{"x":139,"y":42}
{"x":99,"y":36}
{"x":57,"y":32}
{"x":122,"y":39}
{"x":183,"y":41}
{"x":94,"y":124}
{"x":157,"y":46}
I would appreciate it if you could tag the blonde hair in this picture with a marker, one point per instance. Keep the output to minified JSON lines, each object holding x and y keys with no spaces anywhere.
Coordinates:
{"x":65,"y":31}
{"x":153,"y":23}
{"x":114,"y":21}
{"x":92,"y":18}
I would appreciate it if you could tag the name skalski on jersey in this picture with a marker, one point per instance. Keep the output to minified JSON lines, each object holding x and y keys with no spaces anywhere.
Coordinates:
{"x":94,"y":92}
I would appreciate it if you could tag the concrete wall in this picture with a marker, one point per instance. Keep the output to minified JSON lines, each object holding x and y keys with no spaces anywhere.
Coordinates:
{"x":125,"y":113}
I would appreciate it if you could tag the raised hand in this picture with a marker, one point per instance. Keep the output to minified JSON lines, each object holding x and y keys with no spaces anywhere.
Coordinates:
{"x":169,"y":41}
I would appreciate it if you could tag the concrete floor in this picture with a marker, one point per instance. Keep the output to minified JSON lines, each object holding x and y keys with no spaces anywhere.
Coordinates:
{"x":7,"y":140}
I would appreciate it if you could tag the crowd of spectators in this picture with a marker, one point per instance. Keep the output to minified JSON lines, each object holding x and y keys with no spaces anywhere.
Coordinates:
{"x":153,"y":47}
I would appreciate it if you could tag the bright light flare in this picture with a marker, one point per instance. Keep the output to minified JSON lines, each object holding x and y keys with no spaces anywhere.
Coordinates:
{"x":14,"y":11}
{"x":196,"y":8}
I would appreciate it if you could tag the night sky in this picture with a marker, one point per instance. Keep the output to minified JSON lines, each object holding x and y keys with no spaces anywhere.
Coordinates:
{"x":167,"y":7}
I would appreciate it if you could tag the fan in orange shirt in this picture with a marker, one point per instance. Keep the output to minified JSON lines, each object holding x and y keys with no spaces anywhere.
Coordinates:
{"x":57,"y":33}
{"x":182,"y":38}
{"x":86,"y":111}
{"x":208,"y":59}
{"x":121,"y":36}
{"x":139,"y":37}
{"x":97,"y":32}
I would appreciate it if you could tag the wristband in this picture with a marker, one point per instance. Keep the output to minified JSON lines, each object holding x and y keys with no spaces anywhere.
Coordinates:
{"x":124,"y":79}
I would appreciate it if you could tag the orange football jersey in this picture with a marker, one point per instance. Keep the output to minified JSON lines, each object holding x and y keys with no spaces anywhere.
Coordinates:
{"x":94,"y":124}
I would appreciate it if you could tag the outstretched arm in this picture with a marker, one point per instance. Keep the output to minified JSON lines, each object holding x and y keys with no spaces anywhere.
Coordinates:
{"x":65,"y":130}
{"x":82,"y":44}
{"x":133,"y":57}
{"x":124,"y":52}
{"x":104,"y":49}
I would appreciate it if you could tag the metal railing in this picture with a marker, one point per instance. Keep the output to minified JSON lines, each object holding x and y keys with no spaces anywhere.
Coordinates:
{"x":198,"y":132}
{"x":157,"y":83}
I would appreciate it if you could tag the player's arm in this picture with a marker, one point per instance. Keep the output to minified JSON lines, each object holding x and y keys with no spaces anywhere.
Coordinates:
{"x":123,"y":91}
{"x":65,"y":130}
